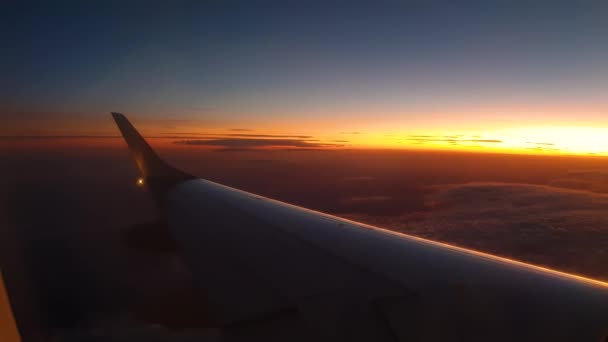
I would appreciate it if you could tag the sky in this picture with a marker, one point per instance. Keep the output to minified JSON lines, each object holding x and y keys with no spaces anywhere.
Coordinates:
{"x":516,"y":76}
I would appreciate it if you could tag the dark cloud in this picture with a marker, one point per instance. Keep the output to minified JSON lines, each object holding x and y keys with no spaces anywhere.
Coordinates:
{"x":242,"y":135}
{"x":269,"y":136}
{"x":187,"y":133}
{"x":350,"y":132}
{"x":281,"y":149}
{"x":309,"y":149}
{"x":452,"y":139}
{"x":243,"y":144}
{"x":240,"y":129}
{"x":237,"y":149}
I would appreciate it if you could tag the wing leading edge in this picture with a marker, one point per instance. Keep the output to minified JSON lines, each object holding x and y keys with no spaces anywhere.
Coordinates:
{"x":274,"y":271}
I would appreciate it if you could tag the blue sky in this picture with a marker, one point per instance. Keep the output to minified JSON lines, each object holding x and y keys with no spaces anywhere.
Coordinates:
{"x":248,"y":61}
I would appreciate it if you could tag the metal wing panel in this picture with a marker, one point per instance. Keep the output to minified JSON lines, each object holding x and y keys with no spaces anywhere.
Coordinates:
{"x":252,"y":269}
{"x":300,"y":253}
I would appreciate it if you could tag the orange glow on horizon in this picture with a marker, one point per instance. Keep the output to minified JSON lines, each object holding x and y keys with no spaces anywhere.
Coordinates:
{"x":569,"y":141}
{"x":440,"y":133}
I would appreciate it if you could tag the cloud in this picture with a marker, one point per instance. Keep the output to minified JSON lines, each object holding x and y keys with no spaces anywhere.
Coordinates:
{"x":452,"y":139}
{"x":249,"y":144}
{"x":239,"y":135}
{"x":310,"y":149}
{"x":240,"y":129}
{"x":542,"y":149}
{"x":544,"y":225}
{"x":236,"y":149}
{"x":270,"y":136}
{"x":483,"y":140}
{"x":589,"y":180}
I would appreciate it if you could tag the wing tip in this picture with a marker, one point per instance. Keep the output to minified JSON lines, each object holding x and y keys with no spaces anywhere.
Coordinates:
{"x":151,"y":166}
{"x":118,"y":116}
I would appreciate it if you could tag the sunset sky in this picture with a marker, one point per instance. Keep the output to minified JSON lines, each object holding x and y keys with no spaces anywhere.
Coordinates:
{"x":524,"y":77}
{"x":362,"y":111}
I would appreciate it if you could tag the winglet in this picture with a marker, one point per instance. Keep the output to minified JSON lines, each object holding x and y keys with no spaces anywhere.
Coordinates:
{"x":154,"y":170}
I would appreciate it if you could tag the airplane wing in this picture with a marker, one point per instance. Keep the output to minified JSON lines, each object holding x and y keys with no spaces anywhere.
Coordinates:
{"x":272,"y":271}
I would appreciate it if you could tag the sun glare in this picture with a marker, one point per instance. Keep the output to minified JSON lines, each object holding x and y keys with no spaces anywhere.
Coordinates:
{"x":575,"y":140}
{"x":528,"y":140}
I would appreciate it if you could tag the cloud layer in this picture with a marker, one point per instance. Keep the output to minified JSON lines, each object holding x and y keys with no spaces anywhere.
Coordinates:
{"x":453,"y":139}
{"x":240,"y":144}
{"x":550,"y":226}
